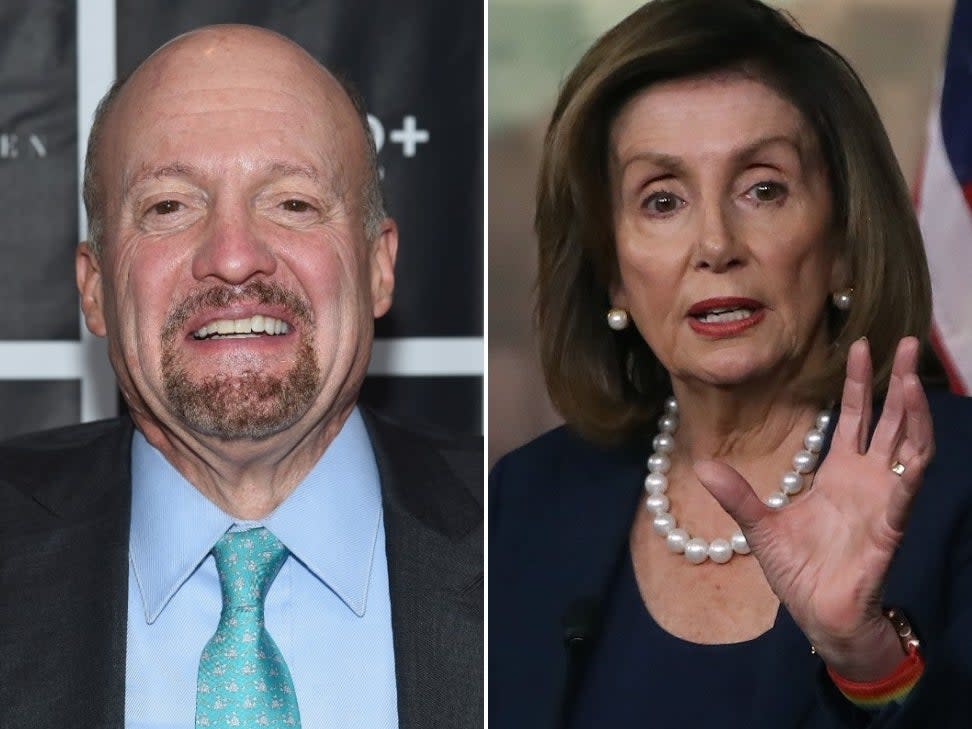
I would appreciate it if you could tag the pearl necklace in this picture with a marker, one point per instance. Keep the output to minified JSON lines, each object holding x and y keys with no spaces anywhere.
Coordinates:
{"x":720,"y":551}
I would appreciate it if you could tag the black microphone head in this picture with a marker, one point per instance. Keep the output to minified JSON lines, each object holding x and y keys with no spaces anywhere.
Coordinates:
{"x":581,"y":619}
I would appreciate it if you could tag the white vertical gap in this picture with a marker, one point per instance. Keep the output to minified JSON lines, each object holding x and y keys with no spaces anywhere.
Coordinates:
{"x":484,"y":389}
{"x":96,"y":72}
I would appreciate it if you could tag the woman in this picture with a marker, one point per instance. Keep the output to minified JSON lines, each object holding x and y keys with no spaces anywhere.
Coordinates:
{"x":730,"y":274}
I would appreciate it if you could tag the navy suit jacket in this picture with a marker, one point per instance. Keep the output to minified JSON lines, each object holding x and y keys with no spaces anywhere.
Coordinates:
{"x":65,"y":503}
{"x":560,"y":514}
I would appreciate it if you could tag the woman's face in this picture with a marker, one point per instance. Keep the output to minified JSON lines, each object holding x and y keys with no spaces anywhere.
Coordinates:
{"x":722,"y":220}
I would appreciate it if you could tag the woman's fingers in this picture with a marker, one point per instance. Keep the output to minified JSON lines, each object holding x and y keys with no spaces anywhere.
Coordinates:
{"x":919,"y":432}
{"x":891,"y":426}
{"x":855,"y":404}
{"x":916,"y":451}
{"x":733,"y":493}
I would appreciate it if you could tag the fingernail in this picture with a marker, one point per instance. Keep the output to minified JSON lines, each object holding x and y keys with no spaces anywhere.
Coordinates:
{"x":862,"y":339}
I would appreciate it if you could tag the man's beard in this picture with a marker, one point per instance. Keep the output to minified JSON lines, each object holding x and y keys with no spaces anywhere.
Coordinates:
{"x":248,"y":404}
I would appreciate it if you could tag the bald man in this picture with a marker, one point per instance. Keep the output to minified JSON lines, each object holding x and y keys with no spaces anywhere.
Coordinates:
{"x":247,"y":547}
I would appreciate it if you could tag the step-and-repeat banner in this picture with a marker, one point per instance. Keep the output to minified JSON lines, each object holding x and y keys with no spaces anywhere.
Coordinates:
{"x":419,"y":69}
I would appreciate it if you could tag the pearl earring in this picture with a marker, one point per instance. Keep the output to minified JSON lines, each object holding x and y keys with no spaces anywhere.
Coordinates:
{"x":617,"y":319}
{"x":843,"y":299}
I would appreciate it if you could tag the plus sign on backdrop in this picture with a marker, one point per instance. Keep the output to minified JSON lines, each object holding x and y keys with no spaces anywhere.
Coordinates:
{"x":418,"y":68}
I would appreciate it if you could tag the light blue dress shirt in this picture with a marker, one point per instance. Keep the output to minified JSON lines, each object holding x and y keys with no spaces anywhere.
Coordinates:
{"x":328,"y":610}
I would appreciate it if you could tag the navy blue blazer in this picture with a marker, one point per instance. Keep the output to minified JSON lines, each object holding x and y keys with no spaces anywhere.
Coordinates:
{"x":560,"y":514}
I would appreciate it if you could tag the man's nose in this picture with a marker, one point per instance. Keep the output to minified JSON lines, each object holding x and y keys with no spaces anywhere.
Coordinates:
{"x":233,"y":251}
{"x":718,"y":247}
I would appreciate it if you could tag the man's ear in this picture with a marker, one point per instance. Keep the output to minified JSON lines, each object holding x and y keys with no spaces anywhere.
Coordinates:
{"x":87,"y":270}
{"x":383,"y":251}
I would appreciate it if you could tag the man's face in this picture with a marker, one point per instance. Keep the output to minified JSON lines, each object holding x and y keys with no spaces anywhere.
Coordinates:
{"x":235,"y":283}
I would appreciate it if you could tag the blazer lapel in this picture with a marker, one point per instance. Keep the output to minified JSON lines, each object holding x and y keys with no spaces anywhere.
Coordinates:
{"x":434,"y":544}
{"x":595,"y":508}
{"x":64,"y":577}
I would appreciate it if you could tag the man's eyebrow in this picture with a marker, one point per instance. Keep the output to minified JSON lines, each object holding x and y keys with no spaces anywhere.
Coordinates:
{"x":273,"y":168}
{"x":173,"y":169}
{"x":286,"y":169}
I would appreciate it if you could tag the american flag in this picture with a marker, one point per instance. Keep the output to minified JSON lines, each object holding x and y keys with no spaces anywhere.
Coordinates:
{"x":945,"y":205}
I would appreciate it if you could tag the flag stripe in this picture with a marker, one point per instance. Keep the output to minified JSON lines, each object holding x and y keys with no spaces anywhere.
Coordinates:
{"x":957,"y":94}
{"x":945,"y":212}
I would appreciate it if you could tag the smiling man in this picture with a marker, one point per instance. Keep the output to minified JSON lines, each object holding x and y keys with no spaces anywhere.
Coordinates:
{"x":248,"y":548}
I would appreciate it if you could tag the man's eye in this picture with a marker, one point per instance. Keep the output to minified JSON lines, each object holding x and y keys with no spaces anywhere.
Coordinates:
{"x":296,"y":206}
{"x":662,"y":203}
{"x":766,"y":191}
{"x":166,"y":206}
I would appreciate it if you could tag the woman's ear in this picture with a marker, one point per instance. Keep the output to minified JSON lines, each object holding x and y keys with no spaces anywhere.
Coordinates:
{"x":840,"y":273}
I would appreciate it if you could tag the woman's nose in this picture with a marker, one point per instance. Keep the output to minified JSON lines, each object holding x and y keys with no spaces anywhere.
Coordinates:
{"x":718,"y":247}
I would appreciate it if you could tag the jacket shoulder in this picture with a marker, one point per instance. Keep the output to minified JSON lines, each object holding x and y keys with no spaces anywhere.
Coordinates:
{"x":64,"y":469}
{"x":44,"y":450}
{"x":562,"y":466}
{"x":437,"y":477}
{"x":64,"y":438}
{"x":561,"y":452}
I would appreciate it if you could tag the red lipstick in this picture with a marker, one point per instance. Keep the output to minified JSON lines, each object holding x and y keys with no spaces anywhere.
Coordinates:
{"x":724,"y":304}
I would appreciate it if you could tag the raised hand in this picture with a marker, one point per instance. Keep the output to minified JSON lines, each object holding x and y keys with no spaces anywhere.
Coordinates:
{"x":826,"y":555}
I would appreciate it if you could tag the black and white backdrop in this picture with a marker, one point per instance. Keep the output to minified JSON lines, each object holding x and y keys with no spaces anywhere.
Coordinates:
{"x":418,"y":67}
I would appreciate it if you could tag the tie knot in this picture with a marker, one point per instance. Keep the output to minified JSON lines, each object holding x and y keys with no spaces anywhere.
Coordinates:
{"x":247,"y":562}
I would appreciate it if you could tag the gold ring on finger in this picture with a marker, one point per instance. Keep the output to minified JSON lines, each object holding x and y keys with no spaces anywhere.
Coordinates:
{"x":898,"y":468}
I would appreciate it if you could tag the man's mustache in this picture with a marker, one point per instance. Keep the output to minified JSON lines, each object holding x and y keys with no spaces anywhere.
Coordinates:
{"x":259,"y":292}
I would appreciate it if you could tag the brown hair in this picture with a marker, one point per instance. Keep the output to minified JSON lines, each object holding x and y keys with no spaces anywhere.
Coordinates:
{"x":609,"y":385}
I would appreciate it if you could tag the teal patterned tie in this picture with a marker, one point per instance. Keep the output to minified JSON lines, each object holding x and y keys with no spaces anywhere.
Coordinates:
{"x":243,"y":680}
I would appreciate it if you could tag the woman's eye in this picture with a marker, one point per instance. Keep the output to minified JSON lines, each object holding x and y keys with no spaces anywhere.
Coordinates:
{"x":662,"y":203}
{"x":766,"y":191}
{"x":166,"y":207}
{"x":296,"y":206}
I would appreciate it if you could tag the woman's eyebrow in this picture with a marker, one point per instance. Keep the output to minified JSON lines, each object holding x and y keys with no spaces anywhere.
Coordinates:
{"x":659,"y":159}
{"x":748,"y":151}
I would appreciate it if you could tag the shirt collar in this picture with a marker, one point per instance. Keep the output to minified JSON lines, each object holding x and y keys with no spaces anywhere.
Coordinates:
{"x":330,"y":522}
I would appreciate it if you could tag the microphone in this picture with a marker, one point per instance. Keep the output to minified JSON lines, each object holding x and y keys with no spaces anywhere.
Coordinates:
{"x":581,"y":622}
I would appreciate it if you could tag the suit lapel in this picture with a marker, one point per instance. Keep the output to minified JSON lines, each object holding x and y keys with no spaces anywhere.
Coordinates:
{"x":434,"y":545}
{"x":64,"y":571}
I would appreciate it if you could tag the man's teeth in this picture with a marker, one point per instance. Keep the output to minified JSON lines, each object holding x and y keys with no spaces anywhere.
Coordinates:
{"x":723,"y":315}
{"x":258,"y":324}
